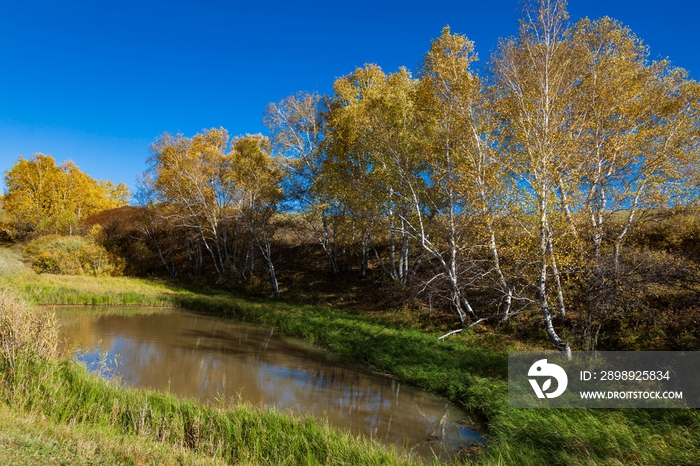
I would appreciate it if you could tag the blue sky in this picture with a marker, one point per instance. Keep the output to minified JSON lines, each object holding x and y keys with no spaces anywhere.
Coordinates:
{"x":97,"y":82}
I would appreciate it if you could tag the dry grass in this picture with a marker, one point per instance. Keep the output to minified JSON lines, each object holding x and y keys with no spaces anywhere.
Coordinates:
{"x":25,"y":331}
{"x":11,"y":261}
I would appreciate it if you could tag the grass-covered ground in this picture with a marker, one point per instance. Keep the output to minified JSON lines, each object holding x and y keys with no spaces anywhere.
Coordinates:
{"x":33,"y":439}
{"x":469,"y":369}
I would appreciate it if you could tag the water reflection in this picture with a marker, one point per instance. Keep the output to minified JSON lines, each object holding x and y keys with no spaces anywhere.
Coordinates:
{"x":212,"y":359}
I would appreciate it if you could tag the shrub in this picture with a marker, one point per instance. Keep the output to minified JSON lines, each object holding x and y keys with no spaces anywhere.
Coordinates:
{"x":72,"y":255}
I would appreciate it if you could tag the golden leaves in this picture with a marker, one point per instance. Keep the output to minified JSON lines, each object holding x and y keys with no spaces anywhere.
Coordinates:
{"x":48,"y":198}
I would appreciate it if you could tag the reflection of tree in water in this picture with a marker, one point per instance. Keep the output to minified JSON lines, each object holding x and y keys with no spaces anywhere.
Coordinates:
{"x":213,"y":359}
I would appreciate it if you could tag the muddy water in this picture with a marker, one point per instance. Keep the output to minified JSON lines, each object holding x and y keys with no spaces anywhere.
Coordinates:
{"x":214,"y":359}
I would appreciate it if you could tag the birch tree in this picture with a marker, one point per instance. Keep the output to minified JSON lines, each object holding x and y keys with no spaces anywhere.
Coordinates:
{"x":351,"y":179}
{"x":189,"y":176}
{"x":634,"y":139}
{"x":595,"y":137}
{"x":254,"y":182}
{"x":382,"y":109}
{"x":534,"y":78}
{"x":297,"y":131}
{"x":457,"y":137}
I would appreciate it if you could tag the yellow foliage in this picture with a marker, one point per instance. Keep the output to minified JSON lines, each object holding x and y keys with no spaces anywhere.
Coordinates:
{"x":43,"y":197}
{"x":73,"y":255}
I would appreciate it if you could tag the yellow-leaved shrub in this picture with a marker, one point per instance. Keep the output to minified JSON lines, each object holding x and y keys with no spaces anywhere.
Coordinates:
{"x":72,"y":255}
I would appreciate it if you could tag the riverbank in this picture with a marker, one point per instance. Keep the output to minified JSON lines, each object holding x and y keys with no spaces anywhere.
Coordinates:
{"x":63,"y":394}
{"x":470,"y":370}
{"x":58,"y":396}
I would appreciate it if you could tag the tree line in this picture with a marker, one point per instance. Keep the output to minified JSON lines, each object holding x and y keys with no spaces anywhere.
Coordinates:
{"x":509,"y":191}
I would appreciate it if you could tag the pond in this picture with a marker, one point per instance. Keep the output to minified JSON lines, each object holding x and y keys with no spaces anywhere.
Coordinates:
{"x":219,"y":360}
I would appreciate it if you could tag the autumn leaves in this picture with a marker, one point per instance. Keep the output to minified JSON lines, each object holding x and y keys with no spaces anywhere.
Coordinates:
{"x":43,"y":197}
{"x":521,"y":184}
{"x":217,"y":195}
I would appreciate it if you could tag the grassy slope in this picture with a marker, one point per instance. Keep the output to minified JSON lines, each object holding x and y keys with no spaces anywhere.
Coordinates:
{"x":31,"y":439}
{"x":463,"y":369}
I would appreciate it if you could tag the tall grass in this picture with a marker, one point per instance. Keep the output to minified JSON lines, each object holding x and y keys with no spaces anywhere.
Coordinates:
{"x":32,"y":439}
{"x":619,"y":437}
{"x":66,"y":393}
{"x":25,"y":333}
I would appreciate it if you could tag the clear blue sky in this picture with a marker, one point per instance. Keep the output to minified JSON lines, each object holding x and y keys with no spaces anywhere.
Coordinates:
{"x":97,"y":81}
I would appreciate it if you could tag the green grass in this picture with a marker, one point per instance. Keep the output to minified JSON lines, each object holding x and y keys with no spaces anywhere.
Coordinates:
{"x":87,"y":290}
{"x":32,"y":439}
{"x":595,"y":437}
{"x":65,"y":394}
{"x":77,"y":290}
{"x":464,"y":368}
